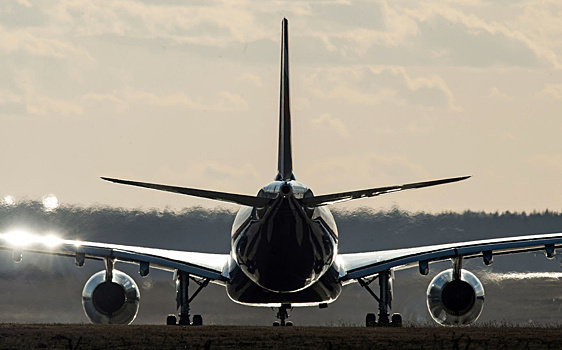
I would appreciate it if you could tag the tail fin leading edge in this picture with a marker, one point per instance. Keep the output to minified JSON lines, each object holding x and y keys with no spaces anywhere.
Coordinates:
{"x":285,"y":160}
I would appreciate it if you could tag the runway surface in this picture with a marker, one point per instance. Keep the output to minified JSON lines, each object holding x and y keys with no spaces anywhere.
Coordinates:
{"x":86,"y":336}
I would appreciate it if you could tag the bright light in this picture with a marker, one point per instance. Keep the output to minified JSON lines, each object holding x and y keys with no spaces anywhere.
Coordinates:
{"x":50,"y":240}
{"x":9,"y":200}
{"x":20,"y":238}
{"x":50,"y":202}
{"x":497,"y":277}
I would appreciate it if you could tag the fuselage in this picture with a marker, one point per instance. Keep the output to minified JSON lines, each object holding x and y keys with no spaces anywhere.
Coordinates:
{"x":285,"y":252}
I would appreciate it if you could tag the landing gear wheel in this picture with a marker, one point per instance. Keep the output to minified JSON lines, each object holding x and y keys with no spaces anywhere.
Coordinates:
{"x":184,"y":322}
{"x":197,"y":320}
{"x":384,"y":299}
{"x":276,"y":324}
{"x":289,"y":324}
{"x":384,"y":321}
{"x":396,"y":320}
{"x":282,"y":315}
{"x":171,"y":320}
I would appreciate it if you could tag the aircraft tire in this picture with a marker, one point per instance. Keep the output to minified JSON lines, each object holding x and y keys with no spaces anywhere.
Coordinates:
{"x":370,"y":320}
{"x":276,"y":324}
{"x":197,"y":320}
{"x":289,"y":324}
{"x":396,"y":320}
{"x":171,"y":320}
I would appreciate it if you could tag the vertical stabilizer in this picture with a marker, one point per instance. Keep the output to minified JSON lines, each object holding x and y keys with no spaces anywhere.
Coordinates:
{"x":285,"y":161}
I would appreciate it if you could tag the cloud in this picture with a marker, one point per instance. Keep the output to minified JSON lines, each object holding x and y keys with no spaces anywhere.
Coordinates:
{"x":397,"y":27}
{"x":231,"y":102}
{"x":210,"y":174}
{"x":414,"y":129}
{"x":41,"y":105}
{"x":355,"y":96}
{"x":507,"y":136}
{"x":227,"y":101}
{"x":381,"y":25}
{"x":365,"y":169}
{"x":121,"y":101}
{"x":334,"y":124}
{"x":7,"y":97}
{"x":495,"y":93}
{"x":433,"y":82}
{"x":553,"y":91}
{"x":391,"y":32}
{"x":24,"y":3}
{"x":354,"y":84}
{"x":35,"y":44}
{"x":225,"y":22}
{"x":119,"y":104}
{"x":512,"y":28}
{"x":252,"y":78}
{"x":221,"y":172}
{"x":28,"y":97}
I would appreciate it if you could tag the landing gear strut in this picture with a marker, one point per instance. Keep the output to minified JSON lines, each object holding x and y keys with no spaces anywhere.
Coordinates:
{"x":385,"y":301}
{"x":282,"y":315}
{"x":183,"y":300}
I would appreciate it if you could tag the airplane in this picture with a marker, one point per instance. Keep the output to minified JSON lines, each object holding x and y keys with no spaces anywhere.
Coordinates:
{"x":284,"y":252}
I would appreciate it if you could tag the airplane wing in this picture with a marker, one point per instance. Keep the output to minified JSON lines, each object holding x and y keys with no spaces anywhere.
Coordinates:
{"x":204,"y":265}
{"x":357,"y":265}
{"x":317,"y":201}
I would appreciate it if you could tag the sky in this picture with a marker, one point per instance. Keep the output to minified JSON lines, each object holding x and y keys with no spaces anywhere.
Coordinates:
{"x":187,"y":93}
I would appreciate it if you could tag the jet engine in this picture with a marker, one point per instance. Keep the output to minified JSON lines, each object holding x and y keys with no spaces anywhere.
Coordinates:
{"x":111,"y":302}
{"x":454,"y":302}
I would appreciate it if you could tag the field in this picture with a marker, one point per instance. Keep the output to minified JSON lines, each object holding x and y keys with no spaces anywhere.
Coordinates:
{"x":85,"y":336}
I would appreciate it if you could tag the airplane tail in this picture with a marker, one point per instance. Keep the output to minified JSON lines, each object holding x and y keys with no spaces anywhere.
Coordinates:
{"x":285,"y":160}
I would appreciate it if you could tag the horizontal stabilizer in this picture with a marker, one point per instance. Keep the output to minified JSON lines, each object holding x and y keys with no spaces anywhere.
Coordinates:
{"x":372,"y":192}
{"x":250,"y":201}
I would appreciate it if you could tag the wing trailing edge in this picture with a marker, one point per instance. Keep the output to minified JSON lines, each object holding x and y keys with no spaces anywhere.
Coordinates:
{"x":372,"y":192}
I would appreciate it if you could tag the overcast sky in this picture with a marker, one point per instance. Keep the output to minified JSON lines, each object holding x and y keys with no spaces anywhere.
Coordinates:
{"x":187,"y":93}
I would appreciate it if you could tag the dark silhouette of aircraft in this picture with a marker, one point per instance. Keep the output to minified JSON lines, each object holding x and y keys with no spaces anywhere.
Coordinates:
{"x":284,"y":252}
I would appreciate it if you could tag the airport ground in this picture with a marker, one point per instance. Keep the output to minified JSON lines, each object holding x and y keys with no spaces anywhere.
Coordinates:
{"x":86,"y":336}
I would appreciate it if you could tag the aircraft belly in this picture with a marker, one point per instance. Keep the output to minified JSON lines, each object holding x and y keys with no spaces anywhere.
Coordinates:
{"x":243,"y":290}
{"x":285,"y":252}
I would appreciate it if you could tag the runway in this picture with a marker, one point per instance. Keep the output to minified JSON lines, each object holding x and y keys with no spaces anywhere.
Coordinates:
{"x":87,"y":336}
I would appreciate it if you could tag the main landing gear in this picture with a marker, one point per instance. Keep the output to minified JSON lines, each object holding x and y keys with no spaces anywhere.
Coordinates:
{"x":385,"y":302}
{"x":282,"y":315}
{"x":183,"y":300}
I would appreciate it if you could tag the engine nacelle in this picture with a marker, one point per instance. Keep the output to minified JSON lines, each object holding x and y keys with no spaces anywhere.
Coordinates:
{"x":455,"y":302}
{"x":115,"y":302}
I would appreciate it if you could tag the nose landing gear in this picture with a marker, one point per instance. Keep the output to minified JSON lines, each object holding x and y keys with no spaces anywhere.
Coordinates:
{"x":282,"y":315}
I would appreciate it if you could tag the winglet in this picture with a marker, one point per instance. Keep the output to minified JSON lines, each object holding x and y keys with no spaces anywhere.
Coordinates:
{"x":285,"y":160}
